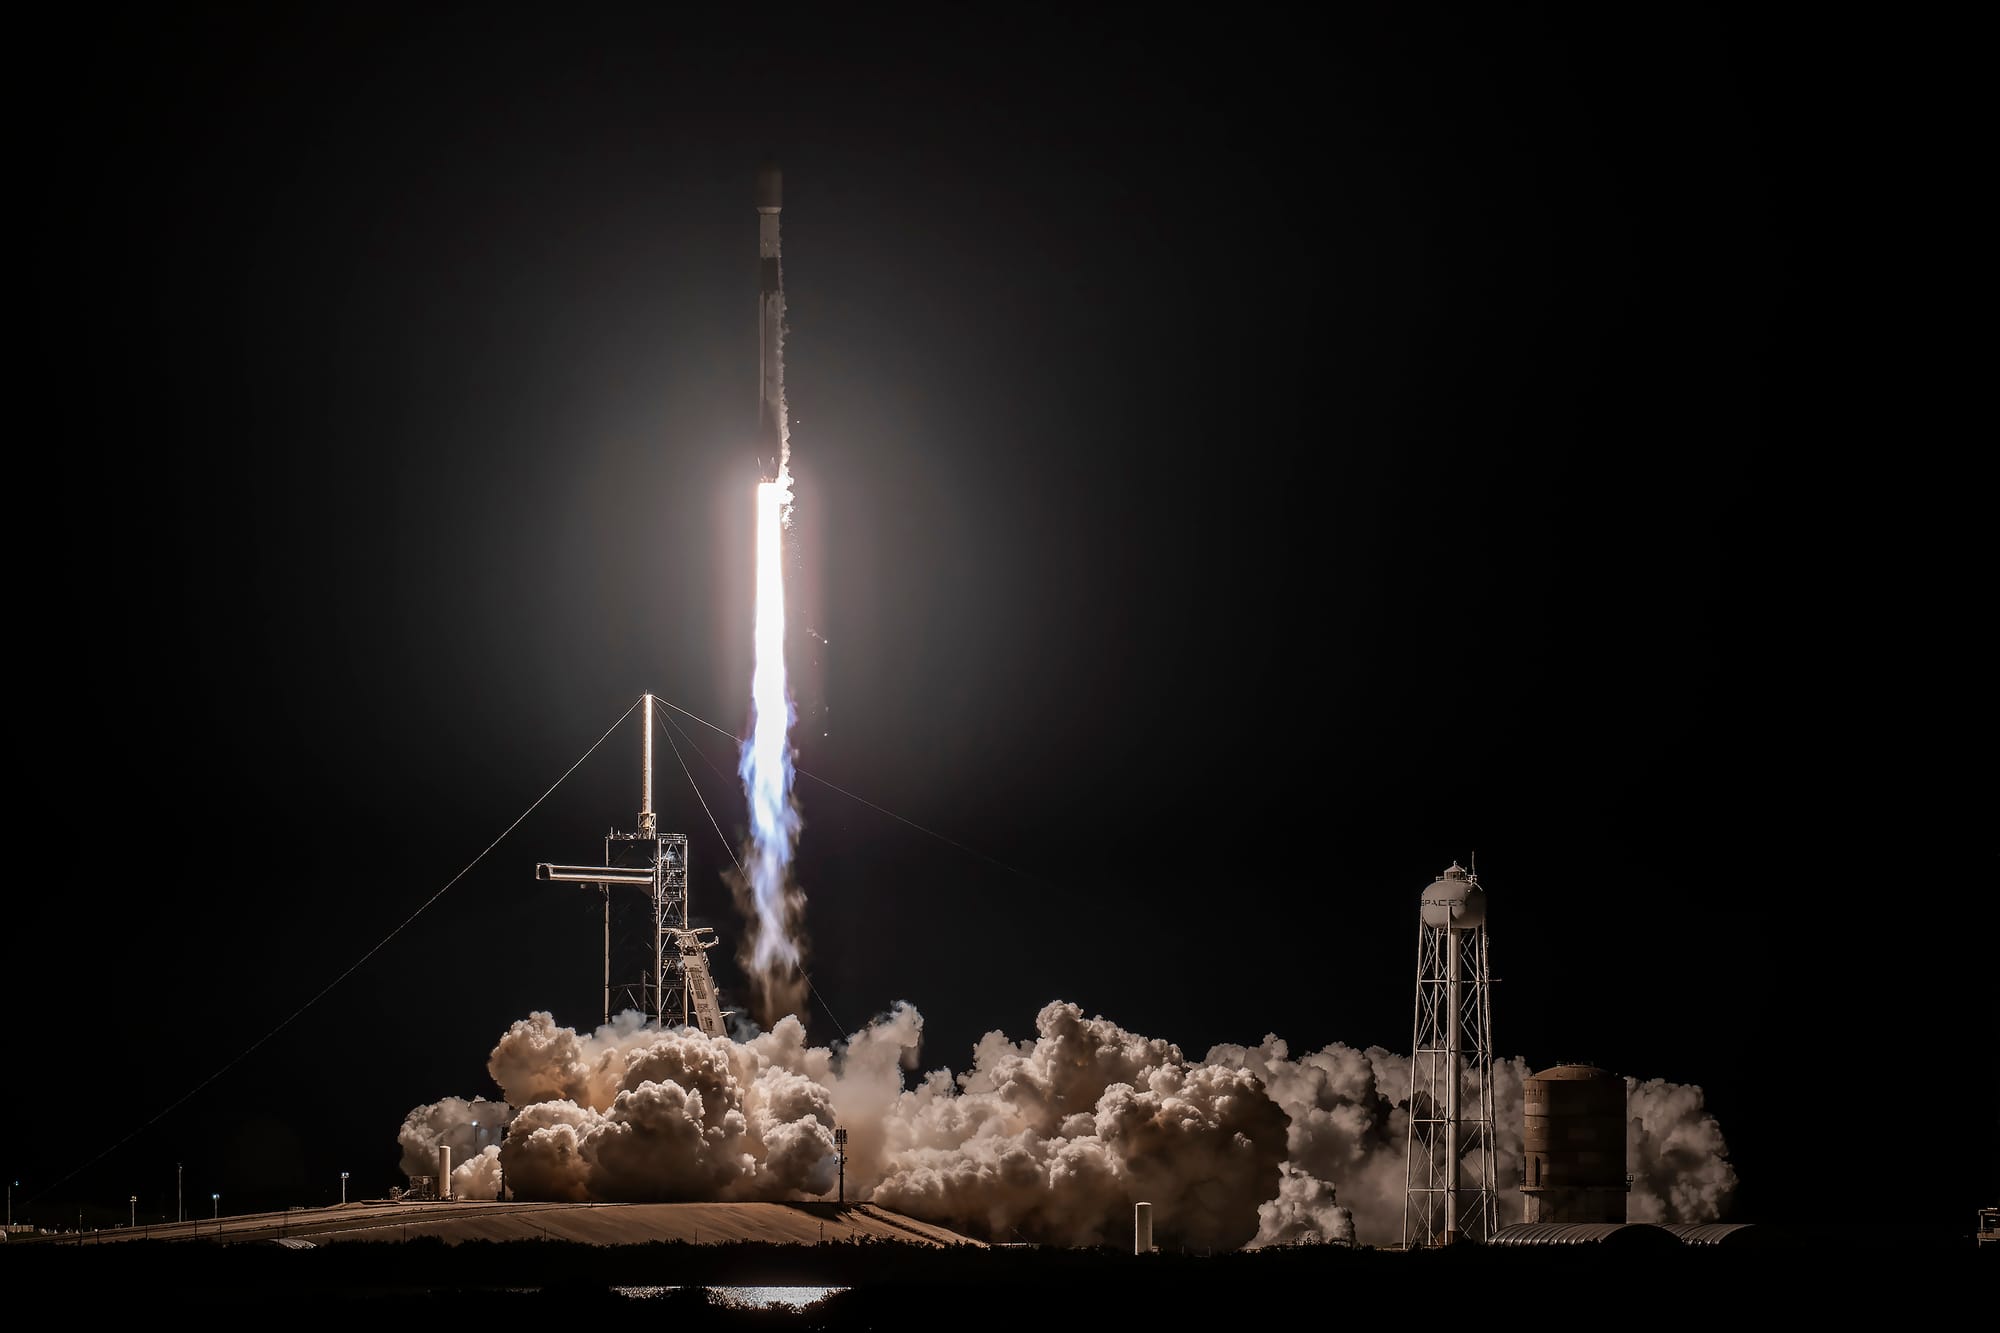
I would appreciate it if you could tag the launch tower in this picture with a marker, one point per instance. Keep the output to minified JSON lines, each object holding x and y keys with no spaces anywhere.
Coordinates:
{"x":653,"y":961}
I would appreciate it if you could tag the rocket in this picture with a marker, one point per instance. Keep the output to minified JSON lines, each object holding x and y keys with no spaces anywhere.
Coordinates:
{"x":771,"y":431}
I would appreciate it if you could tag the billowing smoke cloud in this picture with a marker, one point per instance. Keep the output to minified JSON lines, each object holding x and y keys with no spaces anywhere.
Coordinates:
{"x":471,"y":1129}
{"x":1051,"y":1138}
{"x":1675,"y":1152}
{"x":1304,"y":1213}
{"x":1347,"y":1117}
{"x":1055,"y":1139}
{"x":1349,"y":1114}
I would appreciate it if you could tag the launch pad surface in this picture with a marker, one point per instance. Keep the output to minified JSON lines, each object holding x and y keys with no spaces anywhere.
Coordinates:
{"x":454,"y":1222}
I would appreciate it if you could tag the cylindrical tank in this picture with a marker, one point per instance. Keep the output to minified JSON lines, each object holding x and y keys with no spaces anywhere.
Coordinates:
{"x":1142,"y":1228}
{"x":444,"y":1171}
{"x":1454,"y":899}
{"x":1573,"y":1145}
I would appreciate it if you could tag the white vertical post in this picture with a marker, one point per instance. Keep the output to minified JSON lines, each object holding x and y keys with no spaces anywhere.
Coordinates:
{"x":1142,"y":1228}
{"x":444,"y":1171}
{"x":646,"y":772}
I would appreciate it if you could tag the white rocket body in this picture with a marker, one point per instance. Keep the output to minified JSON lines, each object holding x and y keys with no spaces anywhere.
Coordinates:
{"x":772,"y":446}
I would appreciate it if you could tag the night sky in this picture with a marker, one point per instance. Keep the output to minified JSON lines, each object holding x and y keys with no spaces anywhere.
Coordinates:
{"x":1242,"y":468}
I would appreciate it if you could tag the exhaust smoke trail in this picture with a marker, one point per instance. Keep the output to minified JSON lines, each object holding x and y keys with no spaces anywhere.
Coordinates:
{"x":774,"y":903}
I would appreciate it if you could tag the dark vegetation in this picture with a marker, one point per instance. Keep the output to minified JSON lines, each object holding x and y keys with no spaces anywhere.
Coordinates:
{"x":893,"y":1285}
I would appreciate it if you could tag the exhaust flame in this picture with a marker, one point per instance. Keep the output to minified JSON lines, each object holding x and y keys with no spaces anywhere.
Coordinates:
{"x":766,"y":763}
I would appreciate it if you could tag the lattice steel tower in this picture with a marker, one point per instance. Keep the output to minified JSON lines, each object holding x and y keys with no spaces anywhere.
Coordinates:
{"x":1448,"y":1192}
{"x":653,"y":962}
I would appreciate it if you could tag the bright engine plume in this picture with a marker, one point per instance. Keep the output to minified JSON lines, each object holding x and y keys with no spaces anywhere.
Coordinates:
{"x":766,"y":769}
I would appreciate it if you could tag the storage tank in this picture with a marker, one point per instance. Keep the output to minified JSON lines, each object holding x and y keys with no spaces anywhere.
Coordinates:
{"x":1573,"y":1145}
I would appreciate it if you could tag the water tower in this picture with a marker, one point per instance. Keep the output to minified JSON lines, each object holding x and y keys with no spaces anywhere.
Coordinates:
{"x":1448,"y":1188}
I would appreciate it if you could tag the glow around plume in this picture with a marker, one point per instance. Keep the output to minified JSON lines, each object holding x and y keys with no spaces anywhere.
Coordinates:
{"x":766,"y":763}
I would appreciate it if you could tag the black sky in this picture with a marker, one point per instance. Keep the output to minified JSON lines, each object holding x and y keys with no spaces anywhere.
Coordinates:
{"x":1243,"y":467}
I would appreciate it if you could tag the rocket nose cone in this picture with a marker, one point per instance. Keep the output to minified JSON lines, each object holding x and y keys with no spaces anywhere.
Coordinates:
{"x":770,"y":186}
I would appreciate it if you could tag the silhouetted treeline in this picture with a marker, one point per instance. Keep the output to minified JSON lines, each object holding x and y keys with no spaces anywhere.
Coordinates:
{"x":891,"y":1284}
